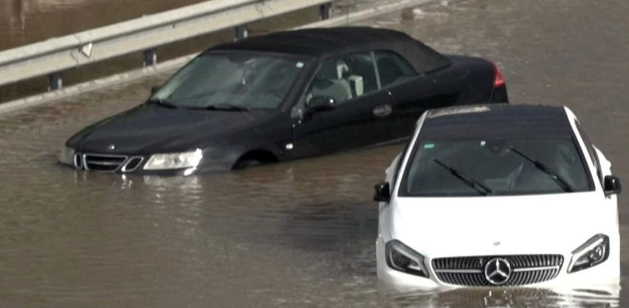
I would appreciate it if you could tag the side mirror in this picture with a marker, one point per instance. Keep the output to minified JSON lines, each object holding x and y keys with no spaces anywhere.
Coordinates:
{"x":382,"y":192}
{"x":612,"y":185}
{"x":321,"y":103}
{"x":155,"y":90}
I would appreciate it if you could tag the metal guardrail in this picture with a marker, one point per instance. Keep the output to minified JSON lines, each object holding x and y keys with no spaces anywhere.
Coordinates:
{"x":144,"y":34}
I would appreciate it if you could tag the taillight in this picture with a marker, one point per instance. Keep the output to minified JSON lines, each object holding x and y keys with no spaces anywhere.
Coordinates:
{"x":499,"y":81}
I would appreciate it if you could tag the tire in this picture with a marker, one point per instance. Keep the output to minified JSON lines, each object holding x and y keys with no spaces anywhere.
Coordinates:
{"x":247,"y":163}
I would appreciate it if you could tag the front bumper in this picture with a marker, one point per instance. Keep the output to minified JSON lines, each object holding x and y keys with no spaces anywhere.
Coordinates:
{"x":134,"y":164}
{"x":603,"y":276}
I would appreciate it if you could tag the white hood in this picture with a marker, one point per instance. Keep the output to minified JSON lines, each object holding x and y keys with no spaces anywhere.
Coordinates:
{"x":539,"y":224}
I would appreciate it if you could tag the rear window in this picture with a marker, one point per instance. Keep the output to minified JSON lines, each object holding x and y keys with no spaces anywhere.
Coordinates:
{"x":495,"y":167}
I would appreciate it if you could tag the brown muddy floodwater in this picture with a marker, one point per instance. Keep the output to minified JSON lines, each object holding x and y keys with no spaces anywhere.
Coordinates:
{"x":28,"y":21}
{"x":24,"y":22}
{"x":298,"y":234}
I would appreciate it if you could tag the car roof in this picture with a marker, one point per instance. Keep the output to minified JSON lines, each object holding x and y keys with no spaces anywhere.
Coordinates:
{"x":322,"y":43}
{"x":499,"y":121}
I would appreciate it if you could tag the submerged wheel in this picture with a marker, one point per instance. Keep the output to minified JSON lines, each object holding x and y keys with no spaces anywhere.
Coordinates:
{"x":247,"y":163}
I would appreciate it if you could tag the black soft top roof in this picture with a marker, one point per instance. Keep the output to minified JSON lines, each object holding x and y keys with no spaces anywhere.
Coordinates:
{"x":331,"y":42}
{"x":499,"y":121}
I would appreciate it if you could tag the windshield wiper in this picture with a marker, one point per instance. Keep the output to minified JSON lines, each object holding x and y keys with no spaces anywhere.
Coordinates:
{"x":467,"y":180}
{"x":226,"y":107}
{"x":552,"y":174}
{"x":164,"y":102}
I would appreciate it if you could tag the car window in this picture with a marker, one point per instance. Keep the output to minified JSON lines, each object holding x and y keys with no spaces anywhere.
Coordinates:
{"x":248,"y":80}
{"x":344,"y":78}
{"x":496,"y":165}
{"x":393,"y":69}
{"x":591,"y":152}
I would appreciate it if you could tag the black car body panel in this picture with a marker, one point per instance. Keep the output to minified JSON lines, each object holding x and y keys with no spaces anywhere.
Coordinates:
{"x":179,"y":130}
{"x":378,"y":110}
{"x":323,"y":44}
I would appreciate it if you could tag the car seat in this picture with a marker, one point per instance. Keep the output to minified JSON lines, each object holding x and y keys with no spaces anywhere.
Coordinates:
{"x":330,"y":81}
{"x":357,"y":85}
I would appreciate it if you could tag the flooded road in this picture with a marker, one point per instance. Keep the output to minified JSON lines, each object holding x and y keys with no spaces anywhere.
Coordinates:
{"x":298,"y":234}
{"x":23,"y":22}
{"x":29,"y":21}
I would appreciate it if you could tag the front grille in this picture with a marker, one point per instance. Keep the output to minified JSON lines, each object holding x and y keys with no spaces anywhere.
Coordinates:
{"x":132,"y":164}
{"x":471,"y":271}
{"x":98,"y":162}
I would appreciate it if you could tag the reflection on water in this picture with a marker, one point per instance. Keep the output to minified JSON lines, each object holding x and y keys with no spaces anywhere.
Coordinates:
{"x":529,"y":298}
{"x":290,"y":235}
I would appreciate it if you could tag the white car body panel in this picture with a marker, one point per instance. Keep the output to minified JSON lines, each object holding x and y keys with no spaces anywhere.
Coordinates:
{"x":439,"y":227}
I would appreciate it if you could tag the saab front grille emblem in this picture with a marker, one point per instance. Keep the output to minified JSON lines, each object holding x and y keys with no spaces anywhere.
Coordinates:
{"x":498,"y":271}
{"x":111,"y":147}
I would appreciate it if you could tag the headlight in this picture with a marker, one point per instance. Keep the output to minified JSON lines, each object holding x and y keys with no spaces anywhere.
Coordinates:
{"x":404,"y":259}
{"x":67,"y":156}
{"x":593,"y":252}
{"x":174,"y":160}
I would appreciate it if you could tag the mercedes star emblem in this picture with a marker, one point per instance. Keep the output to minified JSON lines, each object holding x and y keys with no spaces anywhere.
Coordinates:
{"x":498,"y":271}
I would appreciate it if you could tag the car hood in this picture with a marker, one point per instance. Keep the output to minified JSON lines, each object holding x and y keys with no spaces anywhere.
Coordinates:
{"x":150,"y":129}
{"x":543,"y":224}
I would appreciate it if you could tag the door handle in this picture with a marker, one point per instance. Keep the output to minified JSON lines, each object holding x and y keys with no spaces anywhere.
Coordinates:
{"x":382,"y":111}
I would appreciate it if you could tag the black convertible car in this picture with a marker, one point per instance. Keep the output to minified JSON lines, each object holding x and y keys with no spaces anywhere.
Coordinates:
{"x":284,"y":96}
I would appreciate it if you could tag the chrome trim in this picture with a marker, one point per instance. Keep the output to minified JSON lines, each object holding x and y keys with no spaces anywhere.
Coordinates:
{"x":532,"y":269}
{"x":128,"y":161}
{"x":463,"y":271}
{"x":85,"y":167}
{"x":76,"y":158}
{"x":107,"y":155}
{"x":504,"y":272}
{"x":125,"y":159}
{"x":104,"y":163}
{"x":85,"y":161}
{"x":525,"y":269}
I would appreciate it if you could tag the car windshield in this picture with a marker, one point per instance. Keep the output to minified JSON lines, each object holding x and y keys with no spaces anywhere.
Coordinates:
{"x":494,"y":167}
{"x":238,"y":80}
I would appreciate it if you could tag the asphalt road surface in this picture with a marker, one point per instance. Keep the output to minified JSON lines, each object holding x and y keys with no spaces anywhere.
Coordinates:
{"x":298,"y":234}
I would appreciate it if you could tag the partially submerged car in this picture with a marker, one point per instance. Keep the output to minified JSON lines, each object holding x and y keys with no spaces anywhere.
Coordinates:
{"x":499,"y":195}
{"x":284,"y":96}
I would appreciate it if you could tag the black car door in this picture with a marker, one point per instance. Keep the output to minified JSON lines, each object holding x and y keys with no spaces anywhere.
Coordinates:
{"x":413,"y":92}
{"x":359,"y":116}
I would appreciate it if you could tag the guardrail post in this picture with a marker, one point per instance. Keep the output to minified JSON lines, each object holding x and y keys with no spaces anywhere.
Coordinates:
{"x":150,"y":57}
{"x":241,"y":33}
{"x":55,"y":82}
{"x":325,"y":11}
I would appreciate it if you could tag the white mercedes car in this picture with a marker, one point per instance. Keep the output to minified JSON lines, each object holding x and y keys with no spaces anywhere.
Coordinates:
{"x":498,"y":195}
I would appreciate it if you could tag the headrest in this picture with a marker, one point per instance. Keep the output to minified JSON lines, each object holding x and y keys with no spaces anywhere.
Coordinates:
{"x":331,"y":70}
{"x":341,"y":69}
